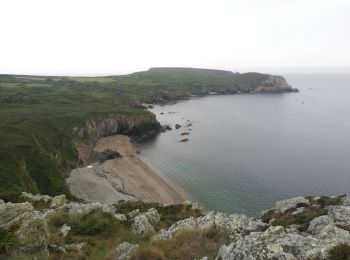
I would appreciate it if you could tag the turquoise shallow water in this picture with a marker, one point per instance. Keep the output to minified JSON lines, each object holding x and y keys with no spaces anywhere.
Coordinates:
{"x":247,"y":151}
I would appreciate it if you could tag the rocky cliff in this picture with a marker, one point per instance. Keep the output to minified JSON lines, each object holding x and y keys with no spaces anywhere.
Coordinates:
{"x":39,"y":227}
{"x":113,"y":124}
{"x":274,"y":84}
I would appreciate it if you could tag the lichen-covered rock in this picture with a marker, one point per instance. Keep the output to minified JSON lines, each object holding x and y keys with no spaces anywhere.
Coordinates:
{"x":340,"y":214}
{"x":152,"y":216}
{"x":125,"y":251}
{"x":134,"y":213}
{"x":235,"y":223}
{"x":278,"y":243}
{"x":58,"y":201}
{"x":345,"y":200}
{"x":35,"y":198}
{"x":284,"y":205}
{"x":30,"y":230}
{"x":78,"y":208}
{"x":318,"y":224}
{"x":120,"y":217}
{"x":141,"y":225}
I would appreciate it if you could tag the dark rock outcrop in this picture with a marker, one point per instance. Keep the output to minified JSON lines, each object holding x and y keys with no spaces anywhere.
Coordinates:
{"x":134,"y":126}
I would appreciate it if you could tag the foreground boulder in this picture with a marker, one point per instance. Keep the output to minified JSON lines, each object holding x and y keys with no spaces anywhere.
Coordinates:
{"x":29,"y":229}
{"x":125,"y":251}
{"x":285,"y":205}
{"x":233,"y":223}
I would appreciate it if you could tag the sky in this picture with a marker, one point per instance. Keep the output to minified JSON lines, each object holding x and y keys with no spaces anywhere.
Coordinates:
{"x":103,"y":37}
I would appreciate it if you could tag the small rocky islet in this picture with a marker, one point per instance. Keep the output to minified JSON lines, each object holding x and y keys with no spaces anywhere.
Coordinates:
{"x":45,"y":227}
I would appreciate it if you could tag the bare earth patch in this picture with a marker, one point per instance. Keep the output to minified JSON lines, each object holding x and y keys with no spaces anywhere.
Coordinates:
{"x":125,"y":178}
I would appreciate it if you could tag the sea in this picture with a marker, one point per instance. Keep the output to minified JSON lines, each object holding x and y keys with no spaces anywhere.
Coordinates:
{"x":247,"y":151}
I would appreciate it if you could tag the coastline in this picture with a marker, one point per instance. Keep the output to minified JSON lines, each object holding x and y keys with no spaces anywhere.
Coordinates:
{"x":123,"y":178}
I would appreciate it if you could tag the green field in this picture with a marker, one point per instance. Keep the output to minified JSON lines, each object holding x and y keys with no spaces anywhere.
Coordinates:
{"x":37,"y":115}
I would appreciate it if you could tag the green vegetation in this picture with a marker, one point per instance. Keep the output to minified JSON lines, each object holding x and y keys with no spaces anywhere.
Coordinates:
{"x":340,"y":252}
{"x":169,"y":214}
{"x":187,"y":244}
{"x":102,"y":232}
{"x":7,"y":241}
{"x":37,"y":115}
{"x":317,"y":208}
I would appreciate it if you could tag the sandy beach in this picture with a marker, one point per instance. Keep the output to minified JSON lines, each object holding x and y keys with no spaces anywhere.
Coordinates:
{"x":125,"y":178}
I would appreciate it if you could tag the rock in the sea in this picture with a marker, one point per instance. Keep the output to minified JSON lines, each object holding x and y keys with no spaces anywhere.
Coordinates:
{"x":177,"y":126}
{"x":284,"y":205}
{"x":120,"y":217}
{"x":30,"y":230}
{"x":141,"y":225}
{"x":167,"y":127}
{"x":125,"y":251}
{"x":184,"y":140}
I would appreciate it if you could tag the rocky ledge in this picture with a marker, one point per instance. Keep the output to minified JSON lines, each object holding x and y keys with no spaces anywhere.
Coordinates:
{"x":40,"y":226}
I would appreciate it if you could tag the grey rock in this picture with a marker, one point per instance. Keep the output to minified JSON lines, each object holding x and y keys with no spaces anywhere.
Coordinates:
{"x":32,"y":235}
{"x":65,"y":229}
{"x":125,"y":251}
{"x":58,"y":201}
{"x":152,"y":216}
{"x":233,"y":223}
{"x":78,"y":208}
{"x":284,"y":205}
{"x":298,"y":211}
{"x":134,"y":213}
{"x":2,"y":202}
{"x":58,"y":249}
{"x":141,"y":225}
{"x":75,"y":247}
{"x":120,"y":217}
{"x":345,"y":201}
{"x":318,"y":224}
{"x":340,"y":214}
{"x":35,"y":198}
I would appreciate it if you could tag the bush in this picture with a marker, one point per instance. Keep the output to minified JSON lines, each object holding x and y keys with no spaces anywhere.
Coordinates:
{"x":7,"y":241}
{"x":11,"y":196}
{"x":340,"y":252}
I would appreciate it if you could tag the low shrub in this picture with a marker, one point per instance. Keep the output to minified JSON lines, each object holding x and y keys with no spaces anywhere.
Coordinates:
{"x":187,"y":244}
{"x":7,"y":241}
{"x":340,"y":252}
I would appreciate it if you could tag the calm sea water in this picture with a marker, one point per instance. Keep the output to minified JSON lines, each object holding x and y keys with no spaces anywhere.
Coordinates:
{"x":247,"y":151}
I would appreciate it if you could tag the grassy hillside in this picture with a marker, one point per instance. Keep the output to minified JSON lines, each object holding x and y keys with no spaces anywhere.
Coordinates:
{"x":37,"y":115}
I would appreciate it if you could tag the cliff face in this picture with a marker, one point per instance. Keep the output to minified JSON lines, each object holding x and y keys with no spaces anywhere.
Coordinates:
{"x":274,"y":84}
{"x":134,"y":126}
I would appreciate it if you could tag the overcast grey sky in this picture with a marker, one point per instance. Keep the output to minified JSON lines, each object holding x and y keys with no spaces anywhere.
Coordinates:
{"x":113,"y":37}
